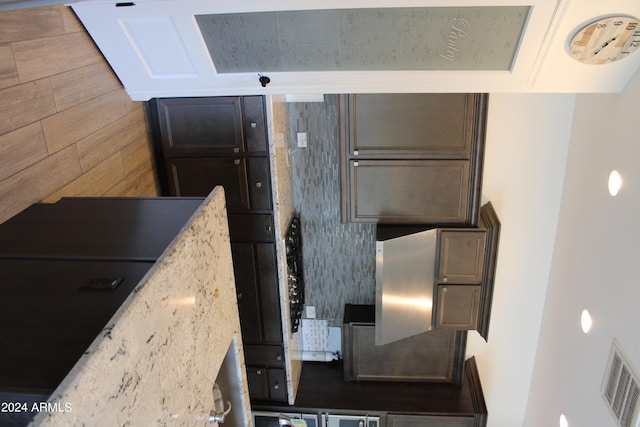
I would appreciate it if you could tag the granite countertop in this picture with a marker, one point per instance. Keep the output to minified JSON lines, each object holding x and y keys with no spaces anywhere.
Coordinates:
{"x":157,"y":359}
{"x":282,"y":188}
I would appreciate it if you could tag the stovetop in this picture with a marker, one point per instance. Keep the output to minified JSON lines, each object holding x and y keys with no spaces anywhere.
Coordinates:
{"x":295,"y":277}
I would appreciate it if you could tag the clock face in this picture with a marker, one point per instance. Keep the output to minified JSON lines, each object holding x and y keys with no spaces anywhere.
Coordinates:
{"x":606,"y":40}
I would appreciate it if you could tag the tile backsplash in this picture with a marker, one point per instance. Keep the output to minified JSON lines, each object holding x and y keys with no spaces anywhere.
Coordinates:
{"x":339,"y":259}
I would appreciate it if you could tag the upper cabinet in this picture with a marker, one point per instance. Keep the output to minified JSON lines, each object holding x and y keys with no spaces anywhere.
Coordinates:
{"x":186,"y":48}
{"x":412,"y":158}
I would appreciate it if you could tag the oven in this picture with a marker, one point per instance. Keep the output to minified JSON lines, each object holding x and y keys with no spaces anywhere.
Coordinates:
{"x":330,"y":420}
{"x":270,"y":419}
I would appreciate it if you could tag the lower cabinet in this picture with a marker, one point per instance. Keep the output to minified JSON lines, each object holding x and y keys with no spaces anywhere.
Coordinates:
{"x":457,"y":306}
{"x":267,"y":383}
{"x":434,"y":356}
{"x":257,"y":291}
{"x":396,"y":420}
{"x":204,"y":142}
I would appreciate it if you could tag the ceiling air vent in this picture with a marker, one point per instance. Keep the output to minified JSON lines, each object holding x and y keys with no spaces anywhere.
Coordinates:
{"x":621,"y":389}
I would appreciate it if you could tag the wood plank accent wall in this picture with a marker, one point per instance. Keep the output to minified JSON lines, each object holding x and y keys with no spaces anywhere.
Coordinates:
{"x":67,"y":127}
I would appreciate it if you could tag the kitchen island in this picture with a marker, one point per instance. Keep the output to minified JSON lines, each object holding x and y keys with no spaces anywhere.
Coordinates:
{"x":157,"y":359}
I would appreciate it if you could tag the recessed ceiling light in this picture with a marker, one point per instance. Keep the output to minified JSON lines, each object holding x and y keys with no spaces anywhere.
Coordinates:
{"x":586,"y":322}
{"x":615,"y":182}
{"x":563,"y":421}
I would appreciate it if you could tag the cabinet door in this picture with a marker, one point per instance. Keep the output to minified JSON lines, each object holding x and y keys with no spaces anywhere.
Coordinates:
{"x":432,"y":125}
{"x":259,"y":183}
{"x":254,"y":124}
{"x":397,"y":420}
{"x":211,"y":125}
{"x":258,"y":382}
{"x":198,"y":176}
{"x":277,"y":384}
{"x":461,"y":256}
{"x":425,"y":357}
{"x":409,"y":191}
{"x":257,"y":289}
{"x":267,"y":383}
{"x":458,"y":306}
{"x":48,"y":319}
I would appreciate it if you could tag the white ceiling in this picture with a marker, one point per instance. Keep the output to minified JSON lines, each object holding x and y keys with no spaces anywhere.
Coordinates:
{"x":565,"y":244}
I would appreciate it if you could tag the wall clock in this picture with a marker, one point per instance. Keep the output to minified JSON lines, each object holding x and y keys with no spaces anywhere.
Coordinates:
{"x":606,"y":40}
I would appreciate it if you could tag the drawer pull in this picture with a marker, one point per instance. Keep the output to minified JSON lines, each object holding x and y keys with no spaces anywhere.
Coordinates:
{"x":355,"y":164}
{"x":236,"y":162}
{"x":259,"y":372}
{"x":445,"y":280}
{"x":279,"y":357}
{"x":236,"y":150}
{"x":258,"y":184}
{"x":254,"y":125}
{"x":276,"y":386}
{"x":267,"y":228}
{"x":355,"y":152}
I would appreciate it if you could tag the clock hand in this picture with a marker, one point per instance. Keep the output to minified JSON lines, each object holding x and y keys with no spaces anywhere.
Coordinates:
{"x":605,"y":44}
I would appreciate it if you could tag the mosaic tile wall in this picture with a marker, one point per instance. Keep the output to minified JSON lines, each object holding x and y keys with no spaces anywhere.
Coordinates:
{"x":339,"y":259}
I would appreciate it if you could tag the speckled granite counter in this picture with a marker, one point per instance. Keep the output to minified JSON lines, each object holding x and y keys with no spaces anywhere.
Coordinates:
{"x":158,"y":357}
{"x":278,"y":134}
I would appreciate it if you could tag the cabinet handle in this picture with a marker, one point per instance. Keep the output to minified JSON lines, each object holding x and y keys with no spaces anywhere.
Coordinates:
{"x":355,"y":164}
{"x":236,"y":162}
{"x":236,"y":150}
{"x":276,"y":386}
{"x":258,"y":184}
{"x":445,"y":280}
{"x":253,"y":125}
{"x":444,"y":289}
{"x":355,"y":152}
{"x":279,"y":357}
{"x":259,"y":372}
{"x":267,"y":228}
{"x":239,"y":295}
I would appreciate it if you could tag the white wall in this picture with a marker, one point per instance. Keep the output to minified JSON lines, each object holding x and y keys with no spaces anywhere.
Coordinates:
{"x":595,"y":264}
{"x":527,"y":143}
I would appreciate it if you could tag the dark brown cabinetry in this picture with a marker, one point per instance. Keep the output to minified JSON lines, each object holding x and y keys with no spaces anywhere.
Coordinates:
{"x":204,"y":142}
{"x":400,"y":404}
{"x":57,"y":264}
{"x":394,"y":420}
{"x":434,"y":356}
{"x":465,"y":269}
{"x":411,"y":158}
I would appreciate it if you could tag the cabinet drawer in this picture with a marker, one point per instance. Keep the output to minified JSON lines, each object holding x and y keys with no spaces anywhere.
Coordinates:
{"x":251,"y":227}
{"x":191,"y":126}
{"x":395,"y":420}
{"x":269,"y":355}
{"x":254,"y":124}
